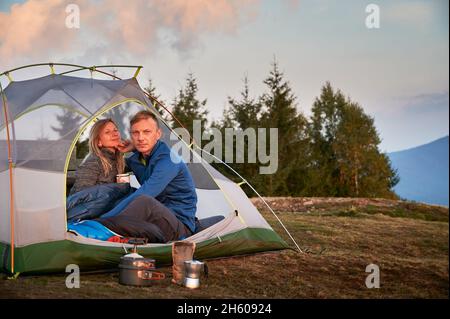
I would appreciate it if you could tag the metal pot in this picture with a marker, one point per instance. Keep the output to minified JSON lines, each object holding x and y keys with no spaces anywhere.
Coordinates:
{"x":134,"y":270}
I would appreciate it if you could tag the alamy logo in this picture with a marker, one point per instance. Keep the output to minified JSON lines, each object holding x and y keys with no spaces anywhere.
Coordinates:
{"x":240,"y":146}
{"x":73,"y":16}
{"x":73,"y":280}
{"x":373,"y":19}
{"x":373,"y":280}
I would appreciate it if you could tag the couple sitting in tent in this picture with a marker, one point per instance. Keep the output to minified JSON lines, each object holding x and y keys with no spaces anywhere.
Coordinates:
{"x":161,"y":210}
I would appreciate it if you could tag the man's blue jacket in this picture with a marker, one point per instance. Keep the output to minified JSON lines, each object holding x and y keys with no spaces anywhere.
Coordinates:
{"x":167,"y":178}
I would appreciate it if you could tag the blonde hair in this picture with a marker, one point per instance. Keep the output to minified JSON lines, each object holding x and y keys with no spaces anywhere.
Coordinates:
{"x":95,"y":149}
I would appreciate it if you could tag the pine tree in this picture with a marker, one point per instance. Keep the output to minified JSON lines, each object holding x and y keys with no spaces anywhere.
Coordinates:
{"x":82,"y":149}
{"x":326,"y":115}
{"x":187,"y":107}
{"x":224,"y":122}
{"x":241,"y":115}
{"x":246,"y":112}
{"x":69,"y":122}
{"x":280,"y":111}
{"x":151,"y":90}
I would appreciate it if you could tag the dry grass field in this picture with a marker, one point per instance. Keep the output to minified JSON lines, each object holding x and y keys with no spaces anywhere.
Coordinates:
{"x":340,"y":237}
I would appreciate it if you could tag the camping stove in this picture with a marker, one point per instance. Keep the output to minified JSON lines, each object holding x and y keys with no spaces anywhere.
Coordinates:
{"x":135,"y":270}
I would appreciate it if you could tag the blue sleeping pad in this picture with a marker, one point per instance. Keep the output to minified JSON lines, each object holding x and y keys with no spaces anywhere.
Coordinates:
{"x":90,"y":229}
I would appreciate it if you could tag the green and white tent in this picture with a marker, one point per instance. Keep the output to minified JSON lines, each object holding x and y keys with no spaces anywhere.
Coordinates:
{"x":42,"y":122}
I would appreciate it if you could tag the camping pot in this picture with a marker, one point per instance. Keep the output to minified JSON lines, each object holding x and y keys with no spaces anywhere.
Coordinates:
{"x":192,"y":272}
{"x":134,"y":270}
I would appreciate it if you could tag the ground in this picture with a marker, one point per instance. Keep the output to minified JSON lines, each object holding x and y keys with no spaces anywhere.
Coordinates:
{"x":338,"y":237}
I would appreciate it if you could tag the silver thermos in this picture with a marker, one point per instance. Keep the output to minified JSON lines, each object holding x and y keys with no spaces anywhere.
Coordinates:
{"x":192,"y":271}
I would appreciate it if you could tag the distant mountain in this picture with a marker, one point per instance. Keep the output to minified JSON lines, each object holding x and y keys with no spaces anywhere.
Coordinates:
{"x":423,"y":172}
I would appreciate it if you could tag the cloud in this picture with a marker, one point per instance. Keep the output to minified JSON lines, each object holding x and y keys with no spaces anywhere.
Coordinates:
{"x":33,"y":28}
{"x":427,"y":103}
{"x":36,"y":28}
{"x":409,"y":13}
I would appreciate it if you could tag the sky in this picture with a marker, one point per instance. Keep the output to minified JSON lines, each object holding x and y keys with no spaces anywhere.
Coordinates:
{"x":398,"y":72}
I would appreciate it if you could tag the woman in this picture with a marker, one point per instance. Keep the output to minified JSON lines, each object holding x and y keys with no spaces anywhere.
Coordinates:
{"x":105,"y":160}
{"x":95,"y":190}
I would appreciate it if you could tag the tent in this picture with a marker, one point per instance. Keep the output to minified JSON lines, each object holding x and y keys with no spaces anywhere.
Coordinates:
{"x":42,"y":123}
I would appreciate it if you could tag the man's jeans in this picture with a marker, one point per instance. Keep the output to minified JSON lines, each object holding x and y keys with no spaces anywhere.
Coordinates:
{"x":146,"y":217}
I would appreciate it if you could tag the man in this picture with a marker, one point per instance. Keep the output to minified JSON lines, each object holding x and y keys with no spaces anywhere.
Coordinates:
{"x":163,"y":208}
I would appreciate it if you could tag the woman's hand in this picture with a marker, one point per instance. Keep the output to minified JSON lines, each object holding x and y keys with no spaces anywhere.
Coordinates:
{"x":125,"y":146}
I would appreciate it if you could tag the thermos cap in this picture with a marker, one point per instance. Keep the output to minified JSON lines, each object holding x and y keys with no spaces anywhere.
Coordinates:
{"x":193,"y":262}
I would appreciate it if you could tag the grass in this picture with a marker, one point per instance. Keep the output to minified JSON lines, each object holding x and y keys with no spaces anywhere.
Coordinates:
{"x":408,"y":243}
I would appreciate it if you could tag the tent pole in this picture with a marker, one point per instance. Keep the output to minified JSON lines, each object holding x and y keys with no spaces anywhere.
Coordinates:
{"x":79,"y":67}
{"x":10,"y":168}
{"x":167,"y":110}
{"x":243,"y":179}
{"x":254,"y":190}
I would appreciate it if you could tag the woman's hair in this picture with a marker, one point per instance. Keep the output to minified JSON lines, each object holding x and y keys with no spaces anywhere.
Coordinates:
{"x":95,"y":149}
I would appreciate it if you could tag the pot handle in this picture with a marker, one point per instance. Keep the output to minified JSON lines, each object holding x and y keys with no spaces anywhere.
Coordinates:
{"x":150,"y":275}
